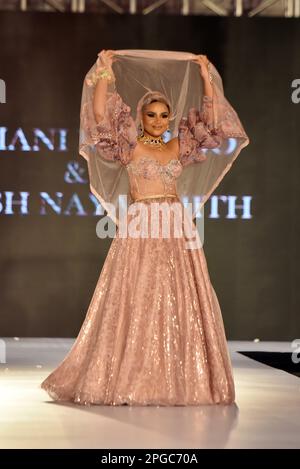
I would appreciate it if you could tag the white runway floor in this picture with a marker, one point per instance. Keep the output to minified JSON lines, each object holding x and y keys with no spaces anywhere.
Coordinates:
{"x":266,"y":414}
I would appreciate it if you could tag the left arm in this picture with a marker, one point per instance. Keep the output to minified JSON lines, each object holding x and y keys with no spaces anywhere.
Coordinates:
{"x":206,"y":112}
{"x":210,"y":126}
{"x":196,"y":131}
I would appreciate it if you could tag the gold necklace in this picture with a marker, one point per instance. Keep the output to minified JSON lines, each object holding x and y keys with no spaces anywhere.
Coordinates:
{"x":153,"y":141}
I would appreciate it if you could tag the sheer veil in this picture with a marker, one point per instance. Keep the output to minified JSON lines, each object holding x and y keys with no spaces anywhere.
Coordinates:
{"x":177,"y":77}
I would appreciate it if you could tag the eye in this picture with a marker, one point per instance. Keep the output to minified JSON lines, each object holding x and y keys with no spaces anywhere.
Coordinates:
{"x":150,"y":114}
{"x":165,"y":116}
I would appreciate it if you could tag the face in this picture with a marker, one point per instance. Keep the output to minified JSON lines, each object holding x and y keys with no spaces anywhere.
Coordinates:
{"x":155,"y":119}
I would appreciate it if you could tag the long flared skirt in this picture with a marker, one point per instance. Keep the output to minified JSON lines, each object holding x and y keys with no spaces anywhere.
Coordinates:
{"x":153,"y":333}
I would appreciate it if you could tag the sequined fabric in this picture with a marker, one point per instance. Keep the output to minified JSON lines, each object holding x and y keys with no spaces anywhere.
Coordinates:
{"x":153,"y":333}
{"x":148,"y":176}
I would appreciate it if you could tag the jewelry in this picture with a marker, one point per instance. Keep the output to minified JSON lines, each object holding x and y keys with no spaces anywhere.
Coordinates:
{"x":210,"y":76}
{"x":141,"y":127}
{"x":101,"y":73}
{"x":153,"y":141}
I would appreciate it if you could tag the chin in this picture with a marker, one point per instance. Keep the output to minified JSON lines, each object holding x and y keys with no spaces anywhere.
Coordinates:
{"x":157,"y":133}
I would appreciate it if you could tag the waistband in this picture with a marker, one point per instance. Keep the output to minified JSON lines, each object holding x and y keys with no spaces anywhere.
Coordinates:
{"x":155,"y":196}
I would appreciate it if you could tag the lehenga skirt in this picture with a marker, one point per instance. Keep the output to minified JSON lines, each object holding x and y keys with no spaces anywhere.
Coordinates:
{"x":153,"y":333}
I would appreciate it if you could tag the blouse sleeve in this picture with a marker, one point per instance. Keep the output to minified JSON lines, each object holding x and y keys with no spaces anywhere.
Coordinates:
{"x":116,"y":135}
{"x":216,"y":122}
{"x":196,"y":132}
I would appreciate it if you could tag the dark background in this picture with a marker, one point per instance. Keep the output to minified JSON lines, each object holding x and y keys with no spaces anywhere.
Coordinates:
{"x":51,"y":261}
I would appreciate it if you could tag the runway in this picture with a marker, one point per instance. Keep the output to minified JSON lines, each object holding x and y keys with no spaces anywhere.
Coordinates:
{"x":266,"y":413}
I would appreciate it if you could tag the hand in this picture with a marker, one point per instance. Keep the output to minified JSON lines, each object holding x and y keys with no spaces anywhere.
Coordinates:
{"x":203,"y":62}
{"x":107,"y":57}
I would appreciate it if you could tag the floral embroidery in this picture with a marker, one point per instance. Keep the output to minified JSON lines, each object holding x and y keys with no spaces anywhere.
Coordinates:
{"x":202,"y":130}
{"x":115,"y":136}
{"x":150,"y":168}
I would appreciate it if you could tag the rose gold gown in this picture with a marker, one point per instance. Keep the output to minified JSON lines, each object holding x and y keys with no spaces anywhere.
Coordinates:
{"x":153,"y":333}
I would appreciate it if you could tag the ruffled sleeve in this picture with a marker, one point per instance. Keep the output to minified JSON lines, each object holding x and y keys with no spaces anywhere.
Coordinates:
{"x":115,"y":137}
{"x":207,"y":128}
{"x":116,"y":134}
{"x":196,"y":133}
{"x":107,"y":145}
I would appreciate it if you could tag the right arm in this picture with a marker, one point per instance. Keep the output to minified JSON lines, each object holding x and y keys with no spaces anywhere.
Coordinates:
{"x":100,"y":100}
{"x":116,"y":130}
{"x":105,"y":74}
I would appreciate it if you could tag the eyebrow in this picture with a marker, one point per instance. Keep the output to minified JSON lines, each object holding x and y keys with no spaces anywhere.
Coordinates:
{"x":152,"y":112}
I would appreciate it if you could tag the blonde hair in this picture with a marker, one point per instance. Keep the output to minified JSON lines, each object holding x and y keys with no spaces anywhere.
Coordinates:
{"x":148,"y":98}
{"x":160,"y":99}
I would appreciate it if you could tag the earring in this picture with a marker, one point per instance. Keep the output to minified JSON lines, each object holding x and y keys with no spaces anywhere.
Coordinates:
{"x":141,"y":127}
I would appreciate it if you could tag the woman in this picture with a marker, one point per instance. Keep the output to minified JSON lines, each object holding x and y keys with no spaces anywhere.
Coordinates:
{"x":153,"y":333}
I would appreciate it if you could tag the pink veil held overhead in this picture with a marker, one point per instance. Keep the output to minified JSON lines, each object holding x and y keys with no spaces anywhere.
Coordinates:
{"x":174,"y":75}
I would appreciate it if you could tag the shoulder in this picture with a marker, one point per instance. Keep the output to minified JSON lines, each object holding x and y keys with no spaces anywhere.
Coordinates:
{"x":173,"y":144}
